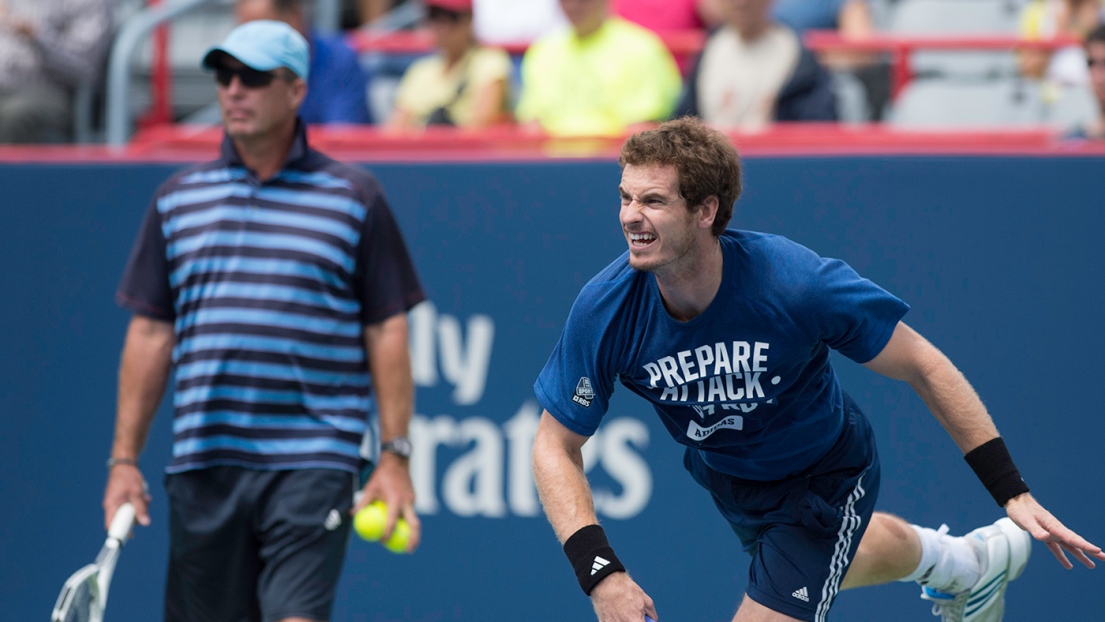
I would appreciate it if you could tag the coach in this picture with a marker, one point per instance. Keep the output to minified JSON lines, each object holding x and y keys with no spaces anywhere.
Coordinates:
{"x":275,"y":282}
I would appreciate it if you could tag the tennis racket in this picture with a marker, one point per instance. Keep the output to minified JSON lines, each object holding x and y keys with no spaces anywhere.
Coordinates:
{"x":84,"y":595}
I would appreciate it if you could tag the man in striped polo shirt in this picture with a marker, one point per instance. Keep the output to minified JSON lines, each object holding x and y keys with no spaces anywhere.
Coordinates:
{"x":275,"y":282}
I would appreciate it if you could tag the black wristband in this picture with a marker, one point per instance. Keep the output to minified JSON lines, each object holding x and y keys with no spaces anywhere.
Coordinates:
{"x":591,"y":556}
{"x":994,"y":467}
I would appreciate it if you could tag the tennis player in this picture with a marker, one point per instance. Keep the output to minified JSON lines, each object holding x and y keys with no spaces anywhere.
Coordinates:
{"x":274,"y":281}
{"x":727,"y":333}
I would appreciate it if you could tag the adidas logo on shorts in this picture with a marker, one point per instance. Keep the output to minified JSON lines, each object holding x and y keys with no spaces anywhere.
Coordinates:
{"x":802,"y":594}
{"x":333,"y":520}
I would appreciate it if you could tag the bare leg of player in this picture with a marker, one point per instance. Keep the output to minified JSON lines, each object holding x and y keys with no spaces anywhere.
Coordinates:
{"x":889,"y":550}
{"x":752,"y":611}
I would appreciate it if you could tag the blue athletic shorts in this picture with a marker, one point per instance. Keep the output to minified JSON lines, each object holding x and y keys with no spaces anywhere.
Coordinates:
{"x":257,"y":546}
{"x":802,"y":532}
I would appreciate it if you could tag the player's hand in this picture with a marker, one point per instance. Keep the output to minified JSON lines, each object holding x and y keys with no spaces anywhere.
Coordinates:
{"x":126,"y":484}
{"x":391,"y":483}
{"x":618,"y":598}
{"x":1033,"y":518}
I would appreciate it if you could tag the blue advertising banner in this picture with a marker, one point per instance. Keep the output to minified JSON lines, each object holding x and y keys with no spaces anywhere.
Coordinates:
{"x":998,"y":257}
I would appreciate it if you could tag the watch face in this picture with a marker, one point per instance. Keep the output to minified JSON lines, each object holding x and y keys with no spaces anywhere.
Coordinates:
{"x":399,"y":445}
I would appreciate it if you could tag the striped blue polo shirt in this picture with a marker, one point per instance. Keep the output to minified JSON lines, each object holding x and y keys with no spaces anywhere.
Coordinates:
{"x":269,"y":284}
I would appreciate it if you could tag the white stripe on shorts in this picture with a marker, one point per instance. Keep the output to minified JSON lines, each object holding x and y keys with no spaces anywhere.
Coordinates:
{"x":848,"y":526}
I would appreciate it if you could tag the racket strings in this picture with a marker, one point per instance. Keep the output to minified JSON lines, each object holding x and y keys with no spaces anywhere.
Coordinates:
{"x":81,"y":602}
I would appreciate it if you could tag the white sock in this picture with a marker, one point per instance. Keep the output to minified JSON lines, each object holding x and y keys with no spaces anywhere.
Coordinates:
{"x":948,"y":564}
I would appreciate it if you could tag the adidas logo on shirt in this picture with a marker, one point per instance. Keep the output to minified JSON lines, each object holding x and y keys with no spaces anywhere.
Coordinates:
{"x":601,"y":563}
{"x":802,"y":594}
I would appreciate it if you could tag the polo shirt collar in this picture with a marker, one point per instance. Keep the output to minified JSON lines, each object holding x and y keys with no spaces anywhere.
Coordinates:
{"x":297,"y":153}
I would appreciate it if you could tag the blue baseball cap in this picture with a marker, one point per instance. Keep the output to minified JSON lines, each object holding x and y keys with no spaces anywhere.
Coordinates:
{"x":263,"y":45}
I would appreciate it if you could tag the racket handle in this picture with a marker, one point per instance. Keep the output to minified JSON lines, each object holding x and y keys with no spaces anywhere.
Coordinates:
{"x":122,"y":522}
{"x":648,"y":619}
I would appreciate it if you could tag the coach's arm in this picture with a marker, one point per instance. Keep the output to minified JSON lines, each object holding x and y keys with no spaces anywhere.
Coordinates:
{"x":910,"y":357}
{"x":389,"y":363}
{"x":143,"y":374}
{"x":566,"y":496}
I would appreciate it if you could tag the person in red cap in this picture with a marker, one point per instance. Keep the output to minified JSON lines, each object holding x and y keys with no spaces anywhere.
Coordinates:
{"x":462,"y":84}
{"x":458,"y":6}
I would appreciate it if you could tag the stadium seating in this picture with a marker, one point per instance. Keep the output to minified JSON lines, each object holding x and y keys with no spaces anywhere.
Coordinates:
{"x":958,"y":17}
{"x":950,"y":89}
{"x":189,"y":38}
{"x":1065,"y":108}
{"x":939,"y":103}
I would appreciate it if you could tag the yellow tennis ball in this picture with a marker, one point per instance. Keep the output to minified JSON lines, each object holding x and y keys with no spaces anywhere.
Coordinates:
{"x":370,"y":521}
{"x":400,"y":537}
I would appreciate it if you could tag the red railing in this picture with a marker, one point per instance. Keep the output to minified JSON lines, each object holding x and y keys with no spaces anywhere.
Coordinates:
{"x":681,"y":43}
{"x":901,"y":48}
{"x":174,"y":143}
{"x":161,"y":78}
{"x":686,"y":44}
{"x":182,"y":142}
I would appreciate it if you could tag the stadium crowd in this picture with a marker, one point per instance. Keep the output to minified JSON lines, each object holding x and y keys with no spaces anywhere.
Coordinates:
{"x":580,"y":67}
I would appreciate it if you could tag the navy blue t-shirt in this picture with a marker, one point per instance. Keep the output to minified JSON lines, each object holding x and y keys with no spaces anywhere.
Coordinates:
{"x":748,"y":382}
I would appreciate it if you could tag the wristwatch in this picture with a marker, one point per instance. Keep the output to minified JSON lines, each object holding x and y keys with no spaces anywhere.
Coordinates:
{"x":400,"y":446}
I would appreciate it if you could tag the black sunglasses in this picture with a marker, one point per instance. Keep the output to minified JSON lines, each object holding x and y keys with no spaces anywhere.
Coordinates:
{"x":1092,"y":62}
{"x":250,"y":78}
{"x":439,"y":14}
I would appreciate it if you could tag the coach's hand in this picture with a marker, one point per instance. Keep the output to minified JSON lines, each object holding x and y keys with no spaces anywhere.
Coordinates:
{"x":618,"y":598}
{"x":1033,"y":518}
{"x":391,"y":483}
{"x":126,"y":484}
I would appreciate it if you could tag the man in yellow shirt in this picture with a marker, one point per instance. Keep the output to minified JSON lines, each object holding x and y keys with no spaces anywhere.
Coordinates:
{"x":597,"y":78}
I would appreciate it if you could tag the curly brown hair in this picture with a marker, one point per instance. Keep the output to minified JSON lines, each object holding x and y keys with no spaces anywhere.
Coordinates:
{"x":705,"y":160}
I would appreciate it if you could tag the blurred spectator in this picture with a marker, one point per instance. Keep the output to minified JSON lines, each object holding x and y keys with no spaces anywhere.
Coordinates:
{"x":803,"y":15}
{"x":48,"y":48}
{"x":661,"y":16}
{"x":499,"y":22}
{"x":462,"y":84}
{"x":367,"y":11}
{"x":338,"y":89}
{"x":852,"y":20}
{"x":754,"y":71}
{"x":1095,"y":60}
{"x":599,"y":77}
{"x":1049,"y":19}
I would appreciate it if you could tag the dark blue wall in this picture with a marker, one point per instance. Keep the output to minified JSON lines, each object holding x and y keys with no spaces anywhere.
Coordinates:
{"x":1000,"y":258}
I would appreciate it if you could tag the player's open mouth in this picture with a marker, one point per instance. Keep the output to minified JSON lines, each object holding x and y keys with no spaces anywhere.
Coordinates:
{"x":641,"y":240}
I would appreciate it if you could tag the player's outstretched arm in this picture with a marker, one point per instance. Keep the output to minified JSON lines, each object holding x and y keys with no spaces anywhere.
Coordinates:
{"x":143,"y":374}
{"x":953,"y":401}
{"x":569,"y":506}
{"x":1033,"y":518}
{"x":956,"y":405}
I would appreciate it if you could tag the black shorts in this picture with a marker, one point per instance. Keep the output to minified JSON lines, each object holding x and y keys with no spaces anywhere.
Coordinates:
{"x":802,"y":532}
{"x":257,"y":546}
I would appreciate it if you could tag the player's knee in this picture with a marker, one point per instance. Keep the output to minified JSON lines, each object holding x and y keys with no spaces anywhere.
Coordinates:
{"x":888,"y":526}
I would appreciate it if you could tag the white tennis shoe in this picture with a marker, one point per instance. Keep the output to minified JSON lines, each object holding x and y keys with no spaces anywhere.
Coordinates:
{"x":1003,"y":549}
